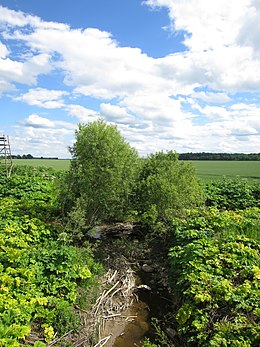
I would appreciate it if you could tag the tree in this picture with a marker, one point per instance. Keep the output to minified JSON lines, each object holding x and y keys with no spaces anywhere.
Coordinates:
{"x":102,"y":174}
{"x":167,"y":186}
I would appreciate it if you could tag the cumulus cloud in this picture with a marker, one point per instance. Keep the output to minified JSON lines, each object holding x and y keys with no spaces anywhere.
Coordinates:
{"x":39,"y":142}
{"x":185,"y":100}
{"x":3,"y":50}
{"x":83,"y":114}
{"x":41,"y":136}
{"x":43,"y":98}
{"x":220,"y":39}
{"x":38,"y":122}
{"x":116,"y":114}
{"x":210,"y":97}
{"x":26,"y":72}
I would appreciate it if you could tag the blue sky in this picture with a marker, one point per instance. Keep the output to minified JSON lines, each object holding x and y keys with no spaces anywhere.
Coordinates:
{"x":171,"y":74}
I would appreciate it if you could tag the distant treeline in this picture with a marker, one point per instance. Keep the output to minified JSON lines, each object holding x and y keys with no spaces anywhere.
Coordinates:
{"x":219,"y":156}
{"x":182,"y":156}
{"x":29,"y":156}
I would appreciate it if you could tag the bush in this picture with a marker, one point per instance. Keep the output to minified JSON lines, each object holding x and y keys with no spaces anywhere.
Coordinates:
{"x":166,"y":187}
{"x":101,"y":176}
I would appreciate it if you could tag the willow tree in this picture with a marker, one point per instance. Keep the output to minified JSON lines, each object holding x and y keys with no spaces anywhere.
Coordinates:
{"x":102,"y":174}
{"x":167,"y":187}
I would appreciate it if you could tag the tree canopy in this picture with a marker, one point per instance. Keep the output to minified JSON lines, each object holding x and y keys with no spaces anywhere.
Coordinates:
{"x":102,"y":172}
{"x":167,"y":185}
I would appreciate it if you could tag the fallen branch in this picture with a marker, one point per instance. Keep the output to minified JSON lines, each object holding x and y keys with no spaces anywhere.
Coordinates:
{"x":52,"y":343}
{"x":104,"y":295}
{"x":103,"y":341}
{"x":111,"y":316}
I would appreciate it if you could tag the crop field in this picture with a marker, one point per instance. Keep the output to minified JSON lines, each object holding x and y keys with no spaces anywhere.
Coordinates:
{"x":55,"y":164}
{"x":211,"y":170}
{"x":208,"y":170}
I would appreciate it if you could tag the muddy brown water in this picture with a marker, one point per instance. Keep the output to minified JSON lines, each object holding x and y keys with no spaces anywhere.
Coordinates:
{"x":150,"y":304}
{"x":136,"y":329}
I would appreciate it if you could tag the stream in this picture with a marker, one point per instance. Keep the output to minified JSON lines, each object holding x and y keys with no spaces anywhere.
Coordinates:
{"x":150,"y":304}
{"x":151,"y":298}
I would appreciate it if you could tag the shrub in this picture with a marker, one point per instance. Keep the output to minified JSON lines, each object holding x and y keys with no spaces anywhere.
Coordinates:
{"x":166,"y":187}
{"x":101,"y":176}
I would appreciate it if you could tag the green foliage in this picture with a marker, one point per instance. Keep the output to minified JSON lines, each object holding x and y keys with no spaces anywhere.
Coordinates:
{"x":166,"y":187}
{"x":215,"y":275}
{"x":160,"y":338}
{"x":232,"y":194}
{"x":40,"y":272}
{"x":148,"y":343}
{"x":101,"y":176}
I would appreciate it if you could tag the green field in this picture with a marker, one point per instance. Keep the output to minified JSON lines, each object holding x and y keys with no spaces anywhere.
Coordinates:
{"x":53,"y":163}
{"x":207,"y":170}
{"x":210,"y":170}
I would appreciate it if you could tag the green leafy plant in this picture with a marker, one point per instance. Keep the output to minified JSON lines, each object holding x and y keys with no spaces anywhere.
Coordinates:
{"x":232,"y":194}
{"x":215,"y":275}
{"x":40,"y":271}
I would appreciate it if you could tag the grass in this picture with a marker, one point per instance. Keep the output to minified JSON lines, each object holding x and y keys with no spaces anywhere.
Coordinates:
{"x":206,"y":169}
{"x":53,"y":163}
{"x":210,"y":170}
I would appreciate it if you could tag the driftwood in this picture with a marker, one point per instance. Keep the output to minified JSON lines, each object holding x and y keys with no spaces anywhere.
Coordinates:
{"x":116,"y":297}
{"x":118,"y":229}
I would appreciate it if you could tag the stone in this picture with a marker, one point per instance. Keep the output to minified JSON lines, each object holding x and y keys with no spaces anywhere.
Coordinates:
{"x":147,"y":268}
{"x":171,"y":333}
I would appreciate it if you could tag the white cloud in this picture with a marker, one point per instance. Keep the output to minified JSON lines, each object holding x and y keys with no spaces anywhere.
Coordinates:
{"x":24,"y":72}
{"x":116,"y":114}
{"x":11,"y":18}
{"x":83,"y":114}
{"x":144,"y":95}
{"x":36,"y":121}
{"x":48,"y":142}
{"x":212,"y":97}
{"x":221,"y":39}
{"x":41,"y":136}
{"x":215,"y":112}
{"x":209,"y":24}
{"x":3,"y":50}
{"x":43,"y":98}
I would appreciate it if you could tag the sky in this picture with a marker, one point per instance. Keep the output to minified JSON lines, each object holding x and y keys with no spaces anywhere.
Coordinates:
{"x":180,"y":75}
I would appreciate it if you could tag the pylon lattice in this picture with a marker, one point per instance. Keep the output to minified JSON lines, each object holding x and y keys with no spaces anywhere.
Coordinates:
{"x":5,"y":154}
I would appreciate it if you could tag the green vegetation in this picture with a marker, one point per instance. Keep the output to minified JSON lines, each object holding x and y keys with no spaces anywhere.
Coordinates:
{"x":215,"y":273}
{"x":210,"y":231}
{"x":101,"y":176}
{"x":56,"y":164}
{"x":40,"y":271}
{"x":166,"y":187}
{"x":219,"y":156}
{"x":210,"y":170}
{"x":205,"y":169}
{"x":232,"y":194}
